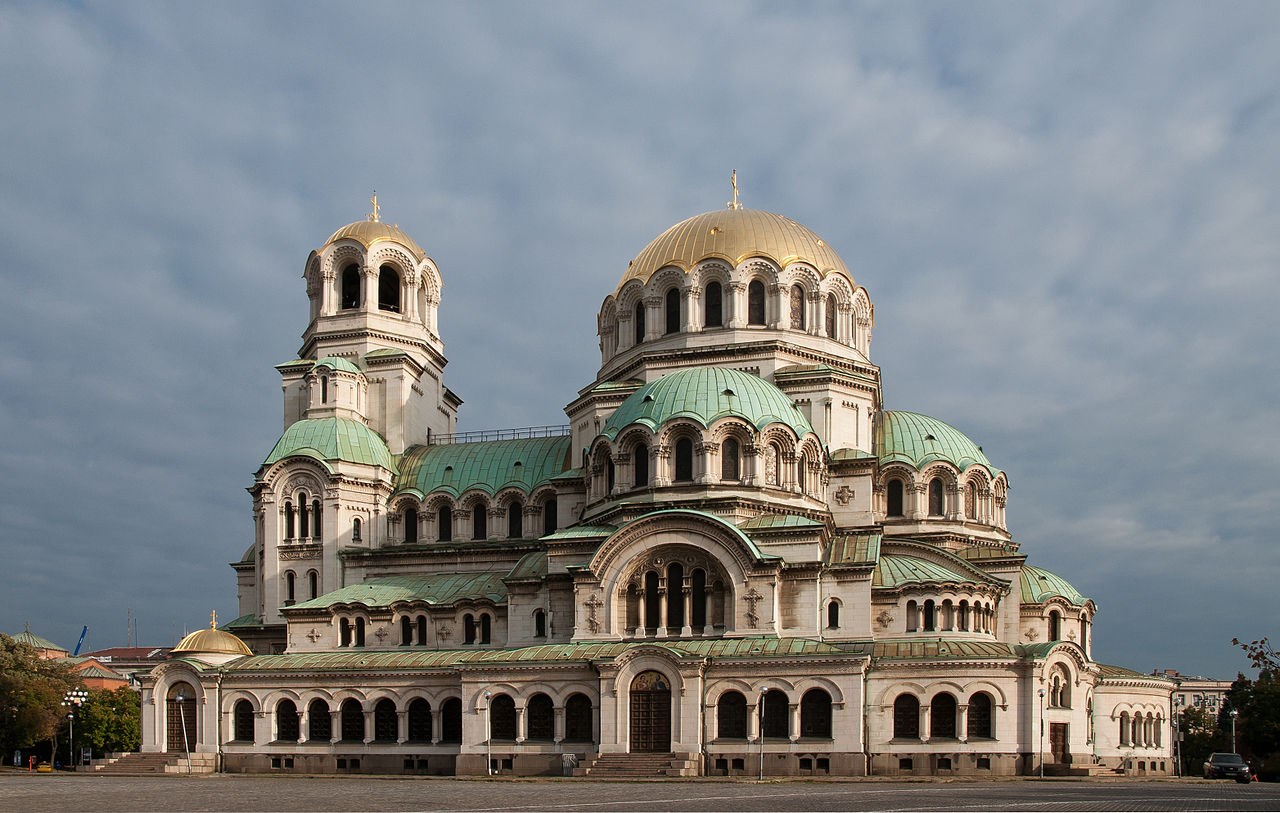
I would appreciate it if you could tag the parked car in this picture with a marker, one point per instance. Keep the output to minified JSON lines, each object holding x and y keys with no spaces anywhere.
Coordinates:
{"x":1222,"y":765}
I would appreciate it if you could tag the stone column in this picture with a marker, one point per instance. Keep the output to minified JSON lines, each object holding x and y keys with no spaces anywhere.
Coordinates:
{"x":926,"y":730}
{"x":962,"y":725}
{"x":402,"y":726}
{"x":522,"y":724}
{"x":734,"y":304}
{"x":687,"y":630}
{"x":793,"y":724}
{"x":692,"y":320}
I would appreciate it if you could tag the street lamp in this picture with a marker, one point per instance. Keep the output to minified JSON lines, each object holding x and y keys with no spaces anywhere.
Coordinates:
{"x":760,"y":726}
{"x":1234,"y":714}
{"x":1042,"y":733}
{"x":72,"y":700}
{"x":488,"y":733}
{"x":1177,"y":733}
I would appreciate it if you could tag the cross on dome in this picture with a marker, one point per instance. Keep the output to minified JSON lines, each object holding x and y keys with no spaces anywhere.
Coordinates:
{"x":375,"y":215}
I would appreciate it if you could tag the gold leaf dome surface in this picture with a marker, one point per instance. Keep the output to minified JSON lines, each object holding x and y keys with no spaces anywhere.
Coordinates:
{"x":734,"y":235}
{"x":213,"y":641}
{"x":368,"y":232}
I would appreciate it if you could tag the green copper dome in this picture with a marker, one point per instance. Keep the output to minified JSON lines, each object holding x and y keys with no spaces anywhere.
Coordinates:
{"x":704,"y":395}
{"x":332,"y":439}
{"x":489,"y":466}
{"x":1040,"y":585}
{"x":920,"y":440}
{"x":338,"y":364}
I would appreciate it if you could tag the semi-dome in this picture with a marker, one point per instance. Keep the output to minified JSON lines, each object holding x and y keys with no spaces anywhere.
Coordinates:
{"x":368,"y":232}
{"x":336,"y":363}
{"x":919,"y":440}
{"x":734,"y":235}
{"x":704,"y":395}
{"x":332,"y":439}
{"x":1040,"y":585}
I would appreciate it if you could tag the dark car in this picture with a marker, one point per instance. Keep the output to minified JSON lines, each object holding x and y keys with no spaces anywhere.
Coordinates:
{"x":1227,"y":766}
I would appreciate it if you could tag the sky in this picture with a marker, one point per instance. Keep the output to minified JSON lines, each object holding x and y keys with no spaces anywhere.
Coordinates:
{"x":1065,"y":215}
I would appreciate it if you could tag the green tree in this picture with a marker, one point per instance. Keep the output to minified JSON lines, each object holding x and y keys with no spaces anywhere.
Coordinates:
{"x":1258,"y":705}
{"x":31,"y":691}
{"x":1200,"y":737}
{"x":110,"y":721}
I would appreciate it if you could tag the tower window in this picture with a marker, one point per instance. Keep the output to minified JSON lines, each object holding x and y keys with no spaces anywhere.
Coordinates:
{"x":324,"y":389}
{"x":388,"y":289}
{"x":288,"y":520}
{"x":797,"y":308}
{"x":755,"y":303}
{"x":479,"y":522}
{"x":303,"y":516}
{"x":410,"y":526}
{"x":895,"y":498}
{"x":831,"y":316}
{"x":673,"y":310}
{"x":714,"y":308}
{"x":936,"y":506}
{"x":833,"y":615}
{"x":515,"y":512}
{"x":549,"y":520}
{"x":640,"y":456}
{"x":730,"y":465}
{"x":684,"y":460}
{"x":539,"y":624}
{"x":315,"y":513}
{"x":350,"y":287}
{"x":355,"y":529}
{"x":314,"y":579}
{"x":445,"y":531}
{"x":289,"y":580}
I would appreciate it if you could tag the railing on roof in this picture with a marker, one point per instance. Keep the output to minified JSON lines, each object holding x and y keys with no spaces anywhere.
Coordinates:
{"x":522,"y":433}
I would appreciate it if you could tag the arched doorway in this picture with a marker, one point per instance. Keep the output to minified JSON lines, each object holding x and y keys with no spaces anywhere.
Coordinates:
{"x":180,"y":711}
{"x":650,"y":713}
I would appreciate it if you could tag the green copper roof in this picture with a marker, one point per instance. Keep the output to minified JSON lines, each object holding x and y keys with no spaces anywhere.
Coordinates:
{"x":489,"y":466}
{"x":704,"y":395}
{"x":31,"y":639}
{"x":780,"y":522}
{"x":1040,"y":585}
{"x":332,"y":439}
{"x":417,"y":659}
{"x":896,"y":570}
{"x":941,"y":649}
{"x":338,"y":364}
{"x":854,"y":549}
{"x":444,"y":589}
{"x":247,"y":620}
{"x":531,"y":566}
{"x":917,"y":439}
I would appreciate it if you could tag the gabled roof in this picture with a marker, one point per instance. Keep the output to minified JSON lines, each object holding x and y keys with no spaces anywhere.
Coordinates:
{"x":780,"y":522}
{"x":488,"y":466}
{"x":941,"y":649}
{"x":332,"y":440}
{"x":442,"y":589}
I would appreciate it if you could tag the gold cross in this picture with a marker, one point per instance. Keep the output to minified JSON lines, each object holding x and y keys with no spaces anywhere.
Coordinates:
{"x":733,"y":181}
{"x":213,"y":619}
{"x":376,"y":209}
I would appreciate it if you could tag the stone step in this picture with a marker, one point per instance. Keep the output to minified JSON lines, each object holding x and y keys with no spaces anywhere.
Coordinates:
{"x":157,"y":763}
{"x":644,"y":765}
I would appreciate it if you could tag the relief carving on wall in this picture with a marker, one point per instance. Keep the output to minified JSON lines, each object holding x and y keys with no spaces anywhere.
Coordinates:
{"x":593,"y":603}
{"x":1032,"y":633}
{"x":752,"y":598}
{"x":884,"y":619}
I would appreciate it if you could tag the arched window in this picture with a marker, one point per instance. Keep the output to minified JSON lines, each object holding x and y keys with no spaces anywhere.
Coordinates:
{"x":699,"y":619}
{"x":352,"y":717}
{"x":773,"y":465}
{"x":979,"y":724}
{"x":797,"y":308}
{"x":406,"y":630}
{"x":539,"y":624}
{"x":385,"y":721}
{"x":451,"y":720}
{"x":833,"y":614}
{"x":410,"y":526}
{"x":344,"y":632}
{"x":444,"y":528}
{"x":755,"y":303}
{"x":962,"y":616}
{"x":610,"y":476}
{"x":930,"y":616}
{"x":549,"y":520}
{"x":359,"y":632}
{"x":777,"y":715}
{"x":577,"y":719}
{"x":314,"y":578}
{"x":419,"y":720}
{"x":515,"y":517}
{"x":350,"y":287}
{"x":935,"y":497}
{"x":906,"y":717}
{"x":684,"y":460}
{"x":895,"y":498}
{"x":673,"y":310}
{"x":468,"y":629}
{"x":730,"y":464}
{"x":830,"y":316}
{"x":502,"y":718}
{"x":639,"y":319}
{"x":942,"y":717}
{"x":289,"y":580}
{"x":913,"y":616}
{"x":713,"y":311}
{"x":486,"y":628}
{"x":324,"y":389}
{"x":388,"y":289}
{"x":541,"y":718}
{"x":1084,"y":631}
{"x":1124,"y":728}
{"x":319,"y":722}
{"x":640,"y":456}
{"x":288,"y":519}
{"x":304,"y":517}
{"x":971,"y":501}
{"x":1055,"y":626}
{"x":479,"y":522}
{"x":422,"y":630}
{"x":815,"y":714}
{"x":243,"y":721}
{"x":315,"y":517}
{"x":675,"y":589}
{"x":731,"y":716}
{"x":355,"y":529}
{"x":652,"y":601}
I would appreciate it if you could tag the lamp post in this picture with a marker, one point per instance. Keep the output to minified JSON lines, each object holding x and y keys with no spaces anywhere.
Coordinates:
{"x":1177,"y":734}
{"x":182,"y":715}
{"x":488,"y":733}
{"x":760,"y":726}
{"x":1234,"y":714}
{"x":1042,"y":733}
{"x":72,"y":700}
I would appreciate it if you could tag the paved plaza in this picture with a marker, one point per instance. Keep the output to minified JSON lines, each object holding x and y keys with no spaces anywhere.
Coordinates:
{"x":103,"y":794}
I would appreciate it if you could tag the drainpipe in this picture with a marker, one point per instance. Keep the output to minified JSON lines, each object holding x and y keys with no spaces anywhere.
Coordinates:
{"x":818,"y":607}
{"x":218,"y":724}
{"x":866,"y":727}
{"x":702,"y":717}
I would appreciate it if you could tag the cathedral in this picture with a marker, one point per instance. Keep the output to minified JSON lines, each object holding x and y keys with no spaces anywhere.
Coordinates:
{"x":732,"y":559}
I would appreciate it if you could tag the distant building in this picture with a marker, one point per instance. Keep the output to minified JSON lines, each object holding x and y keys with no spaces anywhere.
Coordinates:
{"x":130,"y":660}
{"x":48,"y":650}
{"x":732,"y":549}
{"x":1205,"y":693}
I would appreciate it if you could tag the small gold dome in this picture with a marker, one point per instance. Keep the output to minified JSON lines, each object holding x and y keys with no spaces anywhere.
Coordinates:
{"x":734,"y":235}
{"x":368,"y":232}
{"x":213,"y":641}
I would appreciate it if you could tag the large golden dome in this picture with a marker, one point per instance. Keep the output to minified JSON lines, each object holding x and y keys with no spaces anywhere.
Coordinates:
{"x":212,"y":641}
{"x":368,"y":232}
{"x":733,"y":235}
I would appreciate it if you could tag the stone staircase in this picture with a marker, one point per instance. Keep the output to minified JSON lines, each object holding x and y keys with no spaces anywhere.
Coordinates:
{"x":137,"y":763}
{"x":639,"y":766}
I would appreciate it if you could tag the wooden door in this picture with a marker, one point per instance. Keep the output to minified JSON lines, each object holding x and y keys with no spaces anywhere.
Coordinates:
{"x":181,"y":723}
{"x":1058,"y":742}
{"x":650,"y":713}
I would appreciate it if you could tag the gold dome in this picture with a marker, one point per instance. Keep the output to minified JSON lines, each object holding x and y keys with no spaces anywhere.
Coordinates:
{"x":733,"y":235}
{"x":368,"y":232}
{"x":213,"y":640}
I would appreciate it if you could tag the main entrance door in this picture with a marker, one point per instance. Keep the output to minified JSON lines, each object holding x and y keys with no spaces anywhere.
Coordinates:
{"x":1058,"y":742}
{"x":651,"y":713}
{"x":180,"y":709}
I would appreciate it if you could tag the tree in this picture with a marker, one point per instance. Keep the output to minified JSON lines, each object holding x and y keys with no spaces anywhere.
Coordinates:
{"x":31,"y":691}
{"x":1200,"y":737}
{"x":111,"y":721}
{"x":1261,"y":653}
{"x":1258,"y":705}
